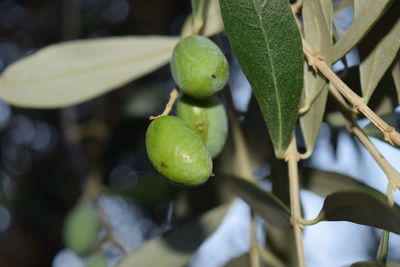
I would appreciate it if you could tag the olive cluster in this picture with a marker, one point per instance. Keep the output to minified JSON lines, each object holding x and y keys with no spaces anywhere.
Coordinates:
{"x":182,"y":147}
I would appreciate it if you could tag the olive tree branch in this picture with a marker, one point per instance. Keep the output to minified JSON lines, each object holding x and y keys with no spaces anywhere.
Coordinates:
{"x":292,"y":157}
{"x":392,"y":175}
{"x":318,"y":64}
{"x":168,"y":107}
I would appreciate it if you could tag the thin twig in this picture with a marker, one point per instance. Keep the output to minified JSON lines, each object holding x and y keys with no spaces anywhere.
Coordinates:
{"x":168,"y":107}
{"x":292,"y":158}
{"x":254,"y":255}
{"x":318,"y":64}
{"x":269,"y":258}
{"x":392,"y":174}
{"x":110,"y":233}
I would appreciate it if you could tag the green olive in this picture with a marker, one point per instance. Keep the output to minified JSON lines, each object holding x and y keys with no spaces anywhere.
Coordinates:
{"x":81,"y":228}
{"x":199,"y":67}
{"x":177,"y":151}
{"x":96,"y":261}
{"x":208,"y":118}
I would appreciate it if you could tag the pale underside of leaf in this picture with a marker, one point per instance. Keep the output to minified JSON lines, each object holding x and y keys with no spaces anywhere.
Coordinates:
{"x":317,"y":17}
{"x":372,"y":10}
{"x":376,"y":62}
{"x":72,"y":72}
{"x":161,"y":252}
{"x":266,"y":42}
{"x":396,"y":78}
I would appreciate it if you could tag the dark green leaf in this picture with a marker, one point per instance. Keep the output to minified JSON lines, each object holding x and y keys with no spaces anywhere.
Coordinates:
{"x":267,"y":43}
{"x":362,"y":208}
{"x":266,"y":204}
{"x":375,"y":264}
{"x":167,"y":250}
{"x":371,"y":11}
{"x":149,"y":190}
{"x":378,"y":49}
{"x":241,"y":261}
{"x":396,"y":78}
{"x":325,"y":183}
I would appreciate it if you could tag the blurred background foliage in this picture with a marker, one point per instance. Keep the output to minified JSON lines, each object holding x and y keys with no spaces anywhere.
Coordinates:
{"x":45,"y":155}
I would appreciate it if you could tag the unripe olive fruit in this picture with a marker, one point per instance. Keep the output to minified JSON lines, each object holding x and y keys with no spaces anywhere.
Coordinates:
{"x":81,"y":228}
{"x":208,"y":118}
{"x":177,"y":151}
{"x":198,"y":67}
{"x":96,"y":261}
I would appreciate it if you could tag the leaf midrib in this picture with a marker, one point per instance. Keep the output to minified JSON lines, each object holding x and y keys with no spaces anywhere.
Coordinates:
{"x":279,"y":108}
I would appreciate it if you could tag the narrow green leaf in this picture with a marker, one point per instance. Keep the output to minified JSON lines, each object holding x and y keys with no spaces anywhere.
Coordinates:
{"x":176,"y":247}
{"x":266,"y":204}
{"x":267,"y":43}
{"x":318,"y":32}
{"x":396,"y":79}
{"x":375,"y":264}
{"x":378,"y":49}
{"x":311,"y":121}
{"x":317,"y":21}
{"x":241,"y":261}
{"x":371,"y":11}
{"x":325,"y":183}
{"x":72,"y":72}
{"x":363,"y":208}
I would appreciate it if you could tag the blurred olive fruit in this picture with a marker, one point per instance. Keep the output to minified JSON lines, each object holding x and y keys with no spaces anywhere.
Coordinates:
{"x":199,"y":67}
{"x":208,"y":118}
{"x":81,"y":228}
{"x":177,"y":151}
{"x":96,"y":261}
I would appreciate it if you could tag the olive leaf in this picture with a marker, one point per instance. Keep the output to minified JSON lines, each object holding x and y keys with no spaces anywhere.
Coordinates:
{"x":371,"y":11}
{"x":266,"y":204}
{"x":325,"y":183}
{"x":362,"y":207}
{"x":317,"y":21}
{"x":265,"y":39}
{"x":176,"y":247}
{"x":396,"y":78}
{"x":378,"y":49}
{"x":241,"y":261}
{"x":375,"y":264}
{"x":71,"y":72}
